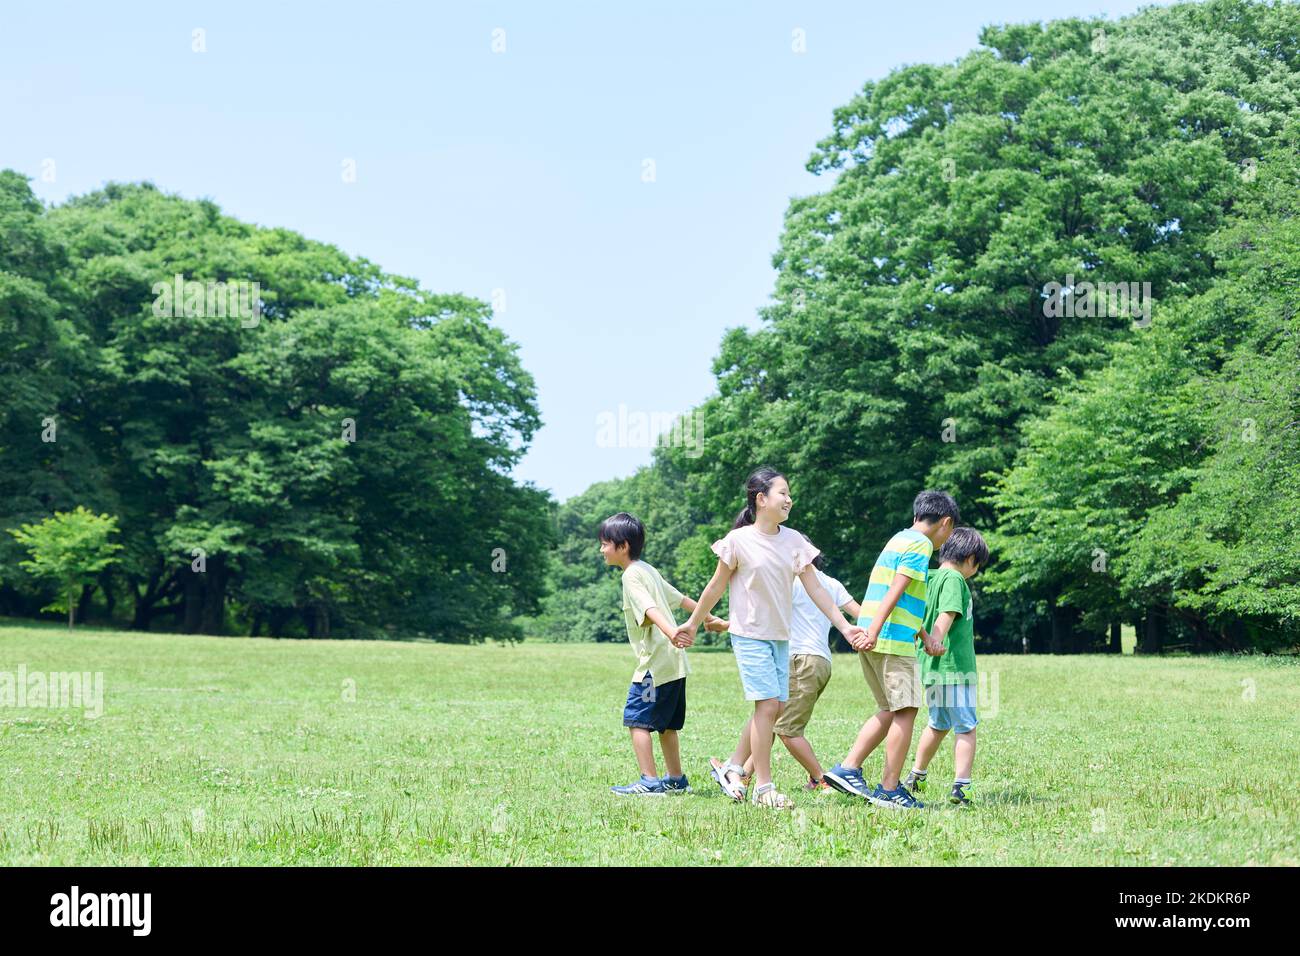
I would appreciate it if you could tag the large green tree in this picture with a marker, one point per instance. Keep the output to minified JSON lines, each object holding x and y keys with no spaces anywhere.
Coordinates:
{"x":909,"y":340}
{"x":328,"y":454}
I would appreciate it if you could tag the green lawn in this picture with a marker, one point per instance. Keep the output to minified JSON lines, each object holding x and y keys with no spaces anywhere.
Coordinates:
{"x":241,"y":751}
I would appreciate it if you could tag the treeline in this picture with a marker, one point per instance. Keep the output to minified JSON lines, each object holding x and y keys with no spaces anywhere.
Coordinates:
{"x":931,"y":327}
{"x":292,"y":441}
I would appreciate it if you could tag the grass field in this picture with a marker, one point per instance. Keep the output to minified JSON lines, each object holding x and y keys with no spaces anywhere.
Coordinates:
{"x":242,"y":751}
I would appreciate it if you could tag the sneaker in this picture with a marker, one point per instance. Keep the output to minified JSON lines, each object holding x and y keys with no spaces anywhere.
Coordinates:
{"x":818,"y":786}
{"x":848,"y":780}
{"x":914,"y":783}
{"x":676,"y":784}
{"x":958,"y":795}
{"x":645,"y":787}
{"x":898,"y":799}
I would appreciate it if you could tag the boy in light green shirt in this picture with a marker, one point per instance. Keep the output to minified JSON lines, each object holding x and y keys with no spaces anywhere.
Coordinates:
{"x":656,"y":701}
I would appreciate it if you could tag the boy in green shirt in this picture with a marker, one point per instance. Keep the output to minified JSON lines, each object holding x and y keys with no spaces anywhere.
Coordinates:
{"x":656,"y":701}
{"x":950,"y":680}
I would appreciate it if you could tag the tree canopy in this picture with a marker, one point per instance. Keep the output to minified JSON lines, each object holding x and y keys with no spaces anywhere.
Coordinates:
{"x":329,"y":451}
{"x":912,"y":340}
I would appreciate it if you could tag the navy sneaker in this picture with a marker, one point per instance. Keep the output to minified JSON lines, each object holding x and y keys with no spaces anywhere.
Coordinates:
{"x":848,"y":780}
{"x":676,"y":784}
{"x":898,"y":799}
{"x":958,"y":795}
{"x":914,"y":781}
{"x":645,"y":787}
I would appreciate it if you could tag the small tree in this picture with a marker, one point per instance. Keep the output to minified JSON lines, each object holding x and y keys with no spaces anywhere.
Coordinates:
{"x":68,"y":550}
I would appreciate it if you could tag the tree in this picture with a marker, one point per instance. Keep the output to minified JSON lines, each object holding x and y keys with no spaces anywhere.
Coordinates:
{"x":1147,"y":492}
{"x":68,"y":550}
{"x":910,"y":341}
{"x":1216,"y":549}
{"x":44,"y":465}
{"x":294,"y":441}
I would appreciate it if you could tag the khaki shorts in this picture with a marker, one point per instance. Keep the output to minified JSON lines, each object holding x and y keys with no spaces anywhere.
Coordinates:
{"x":894,"y":679}
{"x":809,"y":675}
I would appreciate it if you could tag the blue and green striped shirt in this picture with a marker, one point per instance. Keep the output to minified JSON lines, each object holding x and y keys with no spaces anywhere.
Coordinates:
{"x":907,"y":552}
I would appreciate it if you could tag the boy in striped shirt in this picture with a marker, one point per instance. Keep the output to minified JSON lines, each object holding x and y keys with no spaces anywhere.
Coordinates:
{"x":893,"y":611}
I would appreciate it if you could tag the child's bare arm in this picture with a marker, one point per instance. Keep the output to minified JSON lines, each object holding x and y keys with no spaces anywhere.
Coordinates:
{"x":712,"y":594}
{"x":853,"y":609}
{"x":888,"y":603}
{"x":711,"y":623}
{"x":664,"y":621}
{"x":933,"y":642}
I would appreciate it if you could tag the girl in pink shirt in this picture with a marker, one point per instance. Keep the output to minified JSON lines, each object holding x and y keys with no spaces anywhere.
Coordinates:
{"x":758,"y":561}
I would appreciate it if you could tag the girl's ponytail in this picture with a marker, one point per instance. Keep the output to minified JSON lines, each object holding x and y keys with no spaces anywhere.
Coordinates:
{"x":743,"y":517}
{"x":760,"y":482}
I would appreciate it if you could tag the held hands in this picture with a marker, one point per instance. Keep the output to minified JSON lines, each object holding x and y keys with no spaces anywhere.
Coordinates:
{"x":716,"y":625}
{"x":932,"y":645}
{"x":684,"y":636}
{"x":859,"y":638}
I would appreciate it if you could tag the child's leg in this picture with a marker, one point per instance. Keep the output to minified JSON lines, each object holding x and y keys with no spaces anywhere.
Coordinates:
{"x":898,"y":743}
{"x":645,"y":751}
{"x":743,"y":756}
{"x":869,"y":738}
{"x":809,"y":675}
{"x":877,"y":726}
{"x":802,"y":751}
{"x":927,"y":748}
{"x":964,"y":760}
{"x":670,"y":745}
{"x":760,"y":738}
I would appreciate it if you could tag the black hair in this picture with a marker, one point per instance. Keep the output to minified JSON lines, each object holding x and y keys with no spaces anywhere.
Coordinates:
{"x":759,"y":482}
{"x":817,"y":562}
{"x":934,"y":506}
{"x":965,"y":543}
{"x":623,"y":528}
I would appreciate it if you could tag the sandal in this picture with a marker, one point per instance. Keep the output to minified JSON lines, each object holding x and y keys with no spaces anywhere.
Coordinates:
{"x":720,"y":772}
{"x":768,"y":796}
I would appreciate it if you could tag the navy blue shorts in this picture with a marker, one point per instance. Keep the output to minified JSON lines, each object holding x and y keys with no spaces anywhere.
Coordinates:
{"x":656,"y":708}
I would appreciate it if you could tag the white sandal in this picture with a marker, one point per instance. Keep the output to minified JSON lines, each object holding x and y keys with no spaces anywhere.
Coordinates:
{"x":766,"y":795}
{"x":733,"y":789}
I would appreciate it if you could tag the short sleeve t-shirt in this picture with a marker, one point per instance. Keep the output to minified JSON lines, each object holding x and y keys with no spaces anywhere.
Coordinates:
{"x":907,"y":552}
{"x":644,"y":588}
{"x":809,"y":627}
{"x":763,"y":569}
{"x":950,"y":592}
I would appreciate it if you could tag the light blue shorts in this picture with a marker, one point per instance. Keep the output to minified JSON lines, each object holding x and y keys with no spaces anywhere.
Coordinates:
{"x":952,"y":707}
{"x":764,"y":667}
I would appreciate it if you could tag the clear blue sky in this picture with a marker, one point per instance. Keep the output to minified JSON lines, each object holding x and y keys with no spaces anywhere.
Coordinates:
{"x":476,"y":170}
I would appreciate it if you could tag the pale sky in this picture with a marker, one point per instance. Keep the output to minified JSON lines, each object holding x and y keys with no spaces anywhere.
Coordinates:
{"x":615,"y":174}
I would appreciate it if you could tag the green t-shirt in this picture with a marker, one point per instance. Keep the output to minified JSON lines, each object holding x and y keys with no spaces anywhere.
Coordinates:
{"x":644,"y":588}
{"x":948,"y":591}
